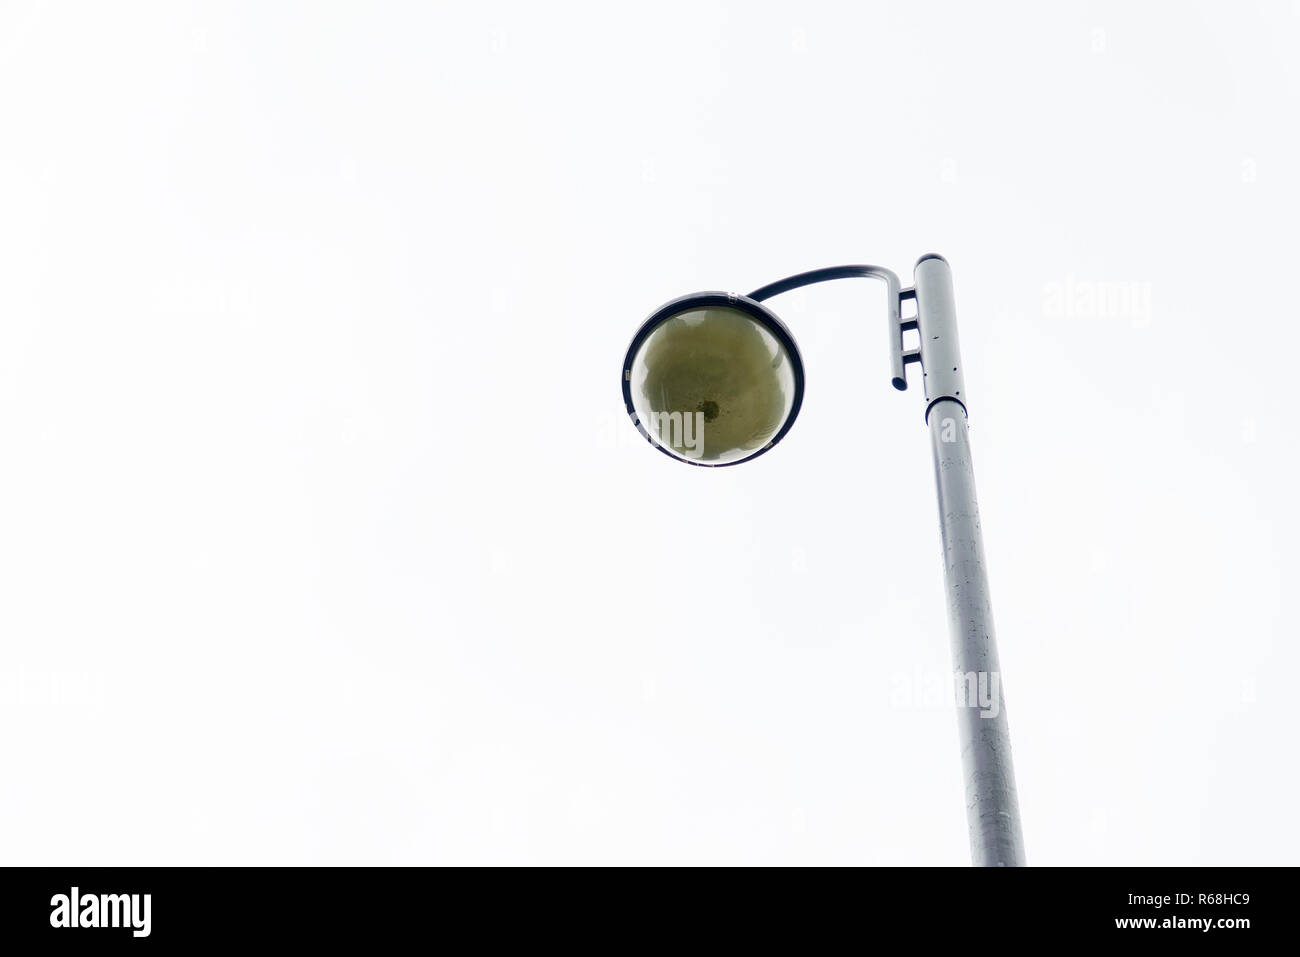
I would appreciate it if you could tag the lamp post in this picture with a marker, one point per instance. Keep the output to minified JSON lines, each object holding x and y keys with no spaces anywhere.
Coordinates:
{"x":715,"y":379}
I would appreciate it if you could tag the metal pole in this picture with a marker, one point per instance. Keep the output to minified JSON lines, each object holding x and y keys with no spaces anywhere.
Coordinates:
{"x":992,"y":809}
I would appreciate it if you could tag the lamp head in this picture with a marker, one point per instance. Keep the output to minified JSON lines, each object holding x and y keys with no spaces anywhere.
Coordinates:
{"x":713,"y":379}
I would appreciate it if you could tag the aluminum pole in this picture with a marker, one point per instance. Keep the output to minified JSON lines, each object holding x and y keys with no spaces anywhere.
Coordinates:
{"x":992,"y":809}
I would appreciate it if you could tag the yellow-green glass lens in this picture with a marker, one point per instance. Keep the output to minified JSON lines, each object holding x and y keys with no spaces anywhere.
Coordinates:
{"x":712,"y":385}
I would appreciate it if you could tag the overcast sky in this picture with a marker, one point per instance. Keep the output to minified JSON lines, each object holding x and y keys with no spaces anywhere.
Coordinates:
{"x":324,"y":537}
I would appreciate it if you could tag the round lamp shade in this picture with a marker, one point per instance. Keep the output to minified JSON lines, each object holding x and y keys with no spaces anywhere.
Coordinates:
{"x":713,"y":379}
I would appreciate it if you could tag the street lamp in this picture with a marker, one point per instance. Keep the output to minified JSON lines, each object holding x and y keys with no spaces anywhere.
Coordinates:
{"x":715,"y":379}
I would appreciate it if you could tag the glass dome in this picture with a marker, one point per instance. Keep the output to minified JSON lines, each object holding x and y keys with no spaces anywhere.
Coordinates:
{"x":712,"y":385}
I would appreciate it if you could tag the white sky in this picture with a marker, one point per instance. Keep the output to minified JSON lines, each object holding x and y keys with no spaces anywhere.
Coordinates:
{"x":323,"y":537}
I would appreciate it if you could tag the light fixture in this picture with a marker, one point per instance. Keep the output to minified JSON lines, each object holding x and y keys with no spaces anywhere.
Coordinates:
{"x":713,"y":379}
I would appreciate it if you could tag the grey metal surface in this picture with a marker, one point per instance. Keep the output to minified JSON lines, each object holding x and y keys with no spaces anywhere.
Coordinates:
{"x":992,"y":807}
{"x":936,"y":315}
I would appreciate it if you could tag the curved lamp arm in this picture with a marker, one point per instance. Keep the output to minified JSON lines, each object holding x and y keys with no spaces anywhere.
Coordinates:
{"x":894,"y":295}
